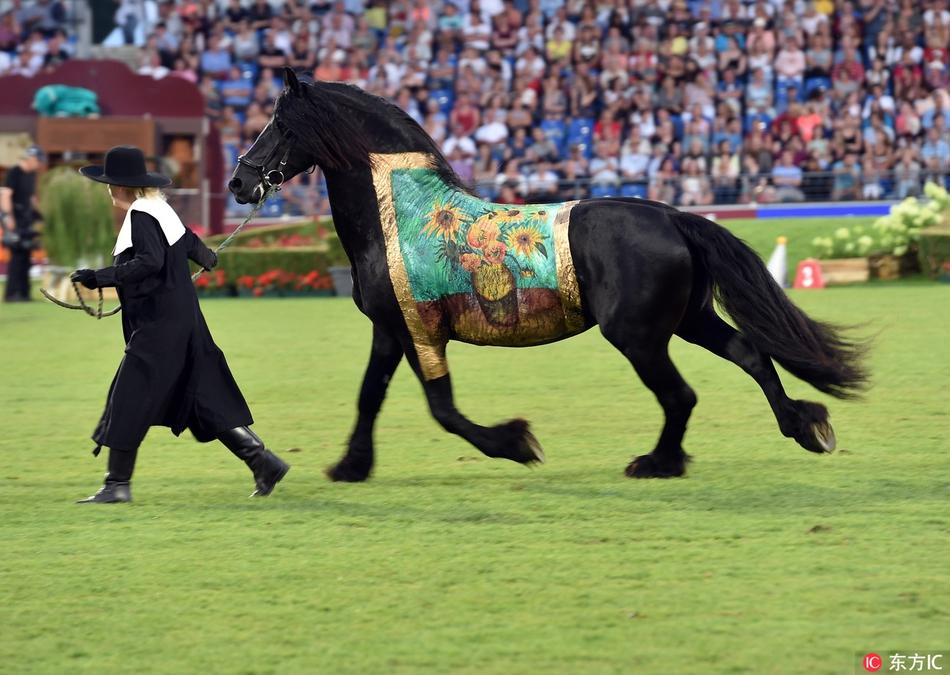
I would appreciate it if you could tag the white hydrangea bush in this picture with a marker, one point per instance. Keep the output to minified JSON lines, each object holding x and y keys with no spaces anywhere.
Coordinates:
{"x":892,"y":234}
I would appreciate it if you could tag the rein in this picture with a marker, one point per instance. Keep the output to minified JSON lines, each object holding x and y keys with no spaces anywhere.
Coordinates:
{"x":99,"y":314}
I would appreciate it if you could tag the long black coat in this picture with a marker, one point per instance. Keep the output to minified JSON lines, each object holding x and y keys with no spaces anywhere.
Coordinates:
{"x":173,"y":374}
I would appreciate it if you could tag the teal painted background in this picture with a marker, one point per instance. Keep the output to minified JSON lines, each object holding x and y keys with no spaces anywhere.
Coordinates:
{"x":435,"y":258}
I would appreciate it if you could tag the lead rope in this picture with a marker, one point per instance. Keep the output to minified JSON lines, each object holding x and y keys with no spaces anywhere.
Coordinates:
{"x":227,"y":240}
{"x":99,"y":314}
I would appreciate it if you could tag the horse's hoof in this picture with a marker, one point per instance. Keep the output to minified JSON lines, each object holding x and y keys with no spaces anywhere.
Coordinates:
{"x":648,"y":466}
{"x":344,"y":472}
{"x":513,"y":440}
{"x":534,"y":448}
{"x":824,"y":436}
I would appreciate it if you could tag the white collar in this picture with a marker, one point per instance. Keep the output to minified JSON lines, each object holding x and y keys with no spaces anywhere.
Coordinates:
{"x":159,"y":209}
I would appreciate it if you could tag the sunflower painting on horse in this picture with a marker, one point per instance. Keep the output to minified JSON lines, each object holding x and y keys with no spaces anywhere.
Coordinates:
{"x":474,"y":271}
{"x":433,"y":263}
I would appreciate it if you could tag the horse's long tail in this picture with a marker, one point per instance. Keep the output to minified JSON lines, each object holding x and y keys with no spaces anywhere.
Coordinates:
{"x":813,"y":351}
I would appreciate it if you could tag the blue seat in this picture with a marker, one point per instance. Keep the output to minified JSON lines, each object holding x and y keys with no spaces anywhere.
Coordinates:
{"x":887,"y":185}
{"x":274,"y":207}
{"x":249,"y":70}
{"x":445,"y":98}
{"x":603,"y":191}
{"x":638,"y":190}
{"x":581,"y":126}
{"x":580,"y":132}
{"x":555,"y":130}
{"x":587,"y":149}
{"x":813,"y":83}
{"x":231,"y":152}
{"x":677,"y":126}
{"x":781,"y":99}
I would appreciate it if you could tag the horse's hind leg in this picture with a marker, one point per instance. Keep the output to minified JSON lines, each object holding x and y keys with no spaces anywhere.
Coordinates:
{"x":510,"y":440}
{"x":384,"y":357}
{"x":653,"y":365}
{"x":805,"y":421}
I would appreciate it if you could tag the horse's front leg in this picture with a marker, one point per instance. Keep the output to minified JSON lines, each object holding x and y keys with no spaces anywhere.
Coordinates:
{"x":510,"y":440}
{"x":385,"y":355}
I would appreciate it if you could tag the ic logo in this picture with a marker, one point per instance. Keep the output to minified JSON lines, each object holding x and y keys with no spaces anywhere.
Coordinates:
{"x":872,"y":662}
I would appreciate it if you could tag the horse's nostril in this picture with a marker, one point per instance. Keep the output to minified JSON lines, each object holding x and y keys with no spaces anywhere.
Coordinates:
{"x":235,"y":184}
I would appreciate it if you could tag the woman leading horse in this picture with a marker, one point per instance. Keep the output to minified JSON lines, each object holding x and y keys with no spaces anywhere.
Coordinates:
{"x":432,"y":263}
{"x":172,"y":373}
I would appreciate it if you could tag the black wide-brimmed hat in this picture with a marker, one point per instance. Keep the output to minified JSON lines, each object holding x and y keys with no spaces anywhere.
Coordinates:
{"x":125,"y":166}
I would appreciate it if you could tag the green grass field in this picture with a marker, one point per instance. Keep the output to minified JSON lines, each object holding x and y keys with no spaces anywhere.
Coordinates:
{"x":765,"y":559}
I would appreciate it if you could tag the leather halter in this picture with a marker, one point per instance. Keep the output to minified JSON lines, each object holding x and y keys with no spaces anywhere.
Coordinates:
{"x":275,"y":177}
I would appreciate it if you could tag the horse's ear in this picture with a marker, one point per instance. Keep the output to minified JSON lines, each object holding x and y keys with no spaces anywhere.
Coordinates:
{"x":290,"y":80}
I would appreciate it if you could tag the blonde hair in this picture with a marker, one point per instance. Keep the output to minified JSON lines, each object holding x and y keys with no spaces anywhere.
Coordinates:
{"x":147,"y":193}
{"x":140,"y":192}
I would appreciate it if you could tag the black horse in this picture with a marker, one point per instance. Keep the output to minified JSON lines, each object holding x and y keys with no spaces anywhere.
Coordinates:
{"x":640,"y":270}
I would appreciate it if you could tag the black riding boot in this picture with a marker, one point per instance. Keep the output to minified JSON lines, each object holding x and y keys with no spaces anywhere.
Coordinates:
{"x":267,"y":467}
{"x":117,"y":487}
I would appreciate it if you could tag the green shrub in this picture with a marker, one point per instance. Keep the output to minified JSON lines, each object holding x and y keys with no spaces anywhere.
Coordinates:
{"x":894,"y":234}
{"x":238,"y":262}
{"x":265,"y":240}
{"x":78,"y":219}
{"x":269,"y":233}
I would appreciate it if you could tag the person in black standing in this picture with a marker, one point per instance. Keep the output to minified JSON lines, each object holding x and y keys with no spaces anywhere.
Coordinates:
{"x":17,"y":215}
{"x":172,"y":374}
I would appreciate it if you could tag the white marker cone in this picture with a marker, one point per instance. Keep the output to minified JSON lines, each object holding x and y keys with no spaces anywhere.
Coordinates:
{"x":778,"y":263}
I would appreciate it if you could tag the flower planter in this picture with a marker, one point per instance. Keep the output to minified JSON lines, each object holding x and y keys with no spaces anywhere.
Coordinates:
{"x":342,"y":281}
{"x":894,"y":266}
{"x":244,"y":292}
{"x":934,"y":251}
{"x":845,"y":271}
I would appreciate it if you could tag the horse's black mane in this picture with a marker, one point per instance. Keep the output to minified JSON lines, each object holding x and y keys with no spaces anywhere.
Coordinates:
{"x":333,"y":121}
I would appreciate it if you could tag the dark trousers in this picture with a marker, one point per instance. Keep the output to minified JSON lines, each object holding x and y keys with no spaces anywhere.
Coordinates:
{"x":18,"y":275}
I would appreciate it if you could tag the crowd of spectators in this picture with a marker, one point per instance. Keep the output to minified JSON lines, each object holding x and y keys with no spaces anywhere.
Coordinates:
{"x":685,"y":101}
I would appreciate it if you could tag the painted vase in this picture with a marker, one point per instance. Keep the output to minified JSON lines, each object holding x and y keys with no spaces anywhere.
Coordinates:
{"x":497,"y":293}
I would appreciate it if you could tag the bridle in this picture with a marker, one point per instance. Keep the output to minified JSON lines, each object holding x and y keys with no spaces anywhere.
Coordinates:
{"x":273,"y":179}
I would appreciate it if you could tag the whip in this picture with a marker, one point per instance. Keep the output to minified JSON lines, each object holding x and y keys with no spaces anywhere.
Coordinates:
{"x":98,"y":313}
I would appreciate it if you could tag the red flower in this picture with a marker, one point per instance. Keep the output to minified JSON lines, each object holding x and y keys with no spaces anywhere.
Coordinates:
{"x":247,"y":281}
{"x":258,"y":292}
{"x":202,"y":281}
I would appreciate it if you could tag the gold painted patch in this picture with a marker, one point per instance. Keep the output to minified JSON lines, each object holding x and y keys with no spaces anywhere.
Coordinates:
{"x":566,"y":275}
{"x":431,"y":352}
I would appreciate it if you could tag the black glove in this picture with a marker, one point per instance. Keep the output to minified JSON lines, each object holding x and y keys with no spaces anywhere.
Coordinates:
{"x":86,"y":277}
{"x":211,"y":260}
{"x":12,"y":239}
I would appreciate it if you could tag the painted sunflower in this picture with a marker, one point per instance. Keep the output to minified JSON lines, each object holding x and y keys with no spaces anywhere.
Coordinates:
{"x":444,"y":221}
{"x":526,"y":239}
{"x":538,"y":217}
{"x":510,"y":216}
